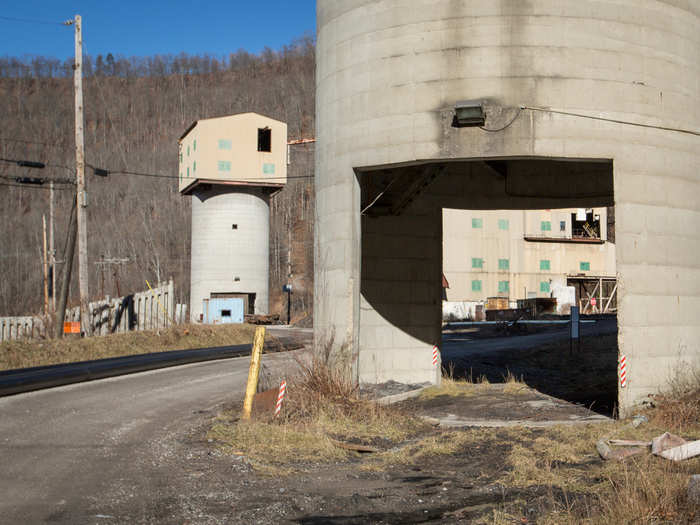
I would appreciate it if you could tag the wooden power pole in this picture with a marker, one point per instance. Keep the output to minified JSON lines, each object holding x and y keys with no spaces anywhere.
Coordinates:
{"x":52,"y":249}
{"x":81,"y":192}
{"x":46,"y":270}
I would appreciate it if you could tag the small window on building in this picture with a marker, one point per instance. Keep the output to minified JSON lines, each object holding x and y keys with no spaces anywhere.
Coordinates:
{"x":194,"y":145}
{"x":188,"y":172}
{"x":585,"y":266}
{"x":180,"y":176}
{"x":503,"y":286}
{"x":477,"y":262}
{"x":188,"y":151}
{"x":545,"y":265}
{"x":476,"y":286}
{"x":194,"y":166}
{"x":477,"y":223}
{"x":264,"y":139}
{"x":562,"y":226}
{"x":224,"y":165}
{"x":181,"y":156}
{"x":502,"y":224}
{"x":225,"y":313}
{"x":544,"y":287}
{"x":224,"y":144}
{"x":546,"y":226}
{"x":503,"y":264}
{"x":234,"y":226}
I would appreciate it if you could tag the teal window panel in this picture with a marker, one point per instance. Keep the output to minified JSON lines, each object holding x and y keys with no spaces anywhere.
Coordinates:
{"x":188,"y":172}
{"x":194,"y":166}
{"x":476,"y":286}
{"x":545,"y":264}
{"x":544,"y":287}
{"x":224,"y":165}
{"x":477,"y":223}
{"x":188,"y":151}
{"x":503,"y":264}
{"x":503,"y":224}
{"x":503,"y":286}
{"x":477,"y":262}
{"x":180,"y":175}
{"x":585,"y":266}
{"x":194,"y":145}
{"x":546,"y":226}
{"x":268,"y":168}
{"x":225,"y":144}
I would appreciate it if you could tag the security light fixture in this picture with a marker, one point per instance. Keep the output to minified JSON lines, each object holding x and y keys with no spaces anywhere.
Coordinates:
{"x":468,"y":113}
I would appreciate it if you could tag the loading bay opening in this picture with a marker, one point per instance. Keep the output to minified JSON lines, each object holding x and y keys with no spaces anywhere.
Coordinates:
{"x":519,"y":212}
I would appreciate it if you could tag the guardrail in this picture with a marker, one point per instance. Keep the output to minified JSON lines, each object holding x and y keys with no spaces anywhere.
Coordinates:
{"x":36,"y":378}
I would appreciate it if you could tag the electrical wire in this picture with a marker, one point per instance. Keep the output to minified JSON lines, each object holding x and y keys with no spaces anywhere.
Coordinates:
{"x":164,"y":176}
{"x":23,"y":141}
{"x":31,"y":21}
{"x":520,"y":109}
{"x":605,"y":119}
{"x":34,"y":187}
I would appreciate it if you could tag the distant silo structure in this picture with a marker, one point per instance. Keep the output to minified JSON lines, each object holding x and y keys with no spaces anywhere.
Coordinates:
{"x":498,"y":105}
{"x":230,"y":166}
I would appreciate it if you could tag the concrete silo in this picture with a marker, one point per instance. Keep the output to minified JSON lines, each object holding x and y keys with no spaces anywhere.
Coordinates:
{"x":230,"y":166}
{"x":568,"y":104}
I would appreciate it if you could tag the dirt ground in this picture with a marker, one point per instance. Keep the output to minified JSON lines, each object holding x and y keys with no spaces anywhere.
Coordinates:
{"x":481,"y":480}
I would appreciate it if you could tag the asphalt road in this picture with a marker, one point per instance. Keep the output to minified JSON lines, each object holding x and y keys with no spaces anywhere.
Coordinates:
{"x":64,"y":450}
{"x":464,"y":342}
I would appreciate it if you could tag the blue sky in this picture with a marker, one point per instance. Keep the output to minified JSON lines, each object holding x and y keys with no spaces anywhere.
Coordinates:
{"x":149,"y":27}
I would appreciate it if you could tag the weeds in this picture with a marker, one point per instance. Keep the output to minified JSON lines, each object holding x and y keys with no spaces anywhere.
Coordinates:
{"x":322,"y":405}
{"x":21,"y":354}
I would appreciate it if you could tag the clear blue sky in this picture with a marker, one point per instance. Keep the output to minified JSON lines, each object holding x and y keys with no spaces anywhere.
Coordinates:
{"x":149,"y":27}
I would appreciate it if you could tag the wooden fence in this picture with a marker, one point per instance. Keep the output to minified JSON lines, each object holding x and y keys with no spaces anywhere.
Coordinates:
{"x":148,"y":310}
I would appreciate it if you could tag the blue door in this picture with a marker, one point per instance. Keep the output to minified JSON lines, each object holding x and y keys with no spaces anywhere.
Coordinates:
{"x":222,"y":311}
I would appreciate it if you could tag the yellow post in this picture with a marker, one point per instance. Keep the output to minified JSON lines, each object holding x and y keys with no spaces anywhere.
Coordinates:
{"x":254,"y":372}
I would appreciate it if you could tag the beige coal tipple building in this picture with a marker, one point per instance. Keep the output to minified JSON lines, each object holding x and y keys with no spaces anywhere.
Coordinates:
{"x":497,"y":105}
{"x":563,"y":254}
{"x":230,"y":166}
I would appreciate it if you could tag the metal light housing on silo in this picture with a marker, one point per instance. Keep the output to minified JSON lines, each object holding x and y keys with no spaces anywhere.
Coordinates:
{"x":469,"y":113}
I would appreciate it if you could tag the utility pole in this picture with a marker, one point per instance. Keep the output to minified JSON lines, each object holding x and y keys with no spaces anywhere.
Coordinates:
{"x":81,"y":192}
{"x":52,"y":250}
{"x":46,"y":270}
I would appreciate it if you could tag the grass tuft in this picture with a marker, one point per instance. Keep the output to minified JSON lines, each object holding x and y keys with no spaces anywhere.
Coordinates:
{"x":28,"y":353}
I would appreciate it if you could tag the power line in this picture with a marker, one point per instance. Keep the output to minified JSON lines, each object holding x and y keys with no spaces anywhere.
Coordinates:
{"x":31,"y":21}
{"x":605,"y":119}
{"x":23,"y":141}
{"x":105,"y":172}
{"x":33,"y":187}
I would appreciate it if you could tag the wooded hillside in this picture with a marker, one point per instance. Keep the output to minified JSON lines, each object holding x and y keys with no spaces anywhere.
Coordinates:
{"x":135,"y":110}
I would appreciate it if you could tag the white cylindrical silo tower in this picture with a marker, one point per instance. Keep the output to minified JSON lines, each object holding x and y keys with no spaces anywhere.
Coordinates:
{"x":230,"y":166}
{"x":230,"y":246}
{"x":605,"y":88}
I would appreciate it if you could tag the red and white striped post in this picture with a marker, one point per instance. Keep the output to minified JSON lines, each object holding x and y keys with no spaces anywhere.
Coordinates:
{"x":623,"y":371}
{"x":436,"y":354}
{"x":280,"y":397}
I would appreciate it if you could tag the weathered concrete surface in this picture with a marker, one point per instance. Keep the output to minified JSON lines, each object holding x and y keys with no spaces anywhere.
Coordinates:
{"x":227,"y":260}
{"x":389,"y":73}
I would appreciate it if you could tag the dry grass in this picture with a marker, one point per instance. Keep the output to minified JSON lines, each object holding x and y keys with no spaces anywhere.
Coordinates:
{"x":21,"y":354}
{"x":641,"y":489}
{"x":321,"y":406}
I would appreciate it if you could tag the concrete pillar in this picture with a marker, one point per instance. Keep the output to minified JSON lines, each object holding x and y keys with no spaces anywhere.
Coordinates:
{"x":400,"y":308}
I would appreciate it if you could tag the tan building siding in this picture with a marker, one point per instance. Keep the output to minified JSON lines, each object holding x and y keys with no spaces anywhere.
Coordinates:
{"x":226,"y":149}
{"x":486,"y":254}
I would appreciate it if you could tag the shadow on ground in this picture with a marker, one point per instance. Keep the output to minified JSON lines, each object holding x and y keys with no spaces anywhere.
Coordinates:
{"x":586,"y":375}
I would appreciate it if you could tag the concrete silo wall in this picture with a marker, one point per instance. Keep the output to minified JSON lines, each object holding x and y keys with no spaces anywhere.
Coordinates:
{"x":228,"y":259}
{"x":388,"y":75}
